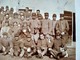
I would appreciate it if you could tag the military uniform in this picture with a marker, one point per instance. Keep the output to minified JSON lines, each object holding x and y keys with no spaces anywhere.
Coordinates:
{"x":6,"y":43}
{"x":62,"y":26}
{"x":45,"y":25}
{"x":34,"y":26}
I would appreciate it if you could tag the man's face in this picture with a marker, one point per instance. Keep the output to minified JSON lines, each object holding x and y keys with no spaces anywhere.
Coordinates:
{"x":54,"y":18}
{"x":38,"y":12}
{"x":33,"y":17}
{"x":30,"y":11}
{"x":27,"y":9}
{"x":39,"y":17}
{"x":61,"y":18}
{"x":46,"y":16}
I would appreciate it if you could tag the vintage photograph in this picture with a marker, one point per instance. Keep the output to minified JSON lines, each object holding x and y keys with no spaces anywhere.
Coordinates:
{"x":37,"y":30}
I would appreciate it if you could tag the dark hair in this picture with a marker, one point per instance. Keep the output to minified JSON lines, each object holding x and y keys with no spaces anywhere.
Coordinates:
{"x":38,"y":10}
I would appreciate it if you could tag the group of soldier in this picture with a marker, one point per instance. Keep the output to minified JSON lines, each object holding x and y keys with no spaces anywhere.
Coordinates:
{"x":28,"y":33}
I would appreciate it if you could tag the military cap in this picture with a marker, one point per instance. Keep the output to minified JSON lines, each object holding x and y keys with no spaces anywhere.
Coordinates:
{"x":38,"y":10}
{"x":54,"y":15}
{"x":15,"y":13}
{"x":2,"y":7}
{"x":27,"y":7}
{"x":11,"y":9}
{"x":39,"y":15}
{"x":30,"y":9}
{"x":61,"y":15}
{"x":46,"y":13}
{"x":7,"y":7}
{"x":34,"y":14}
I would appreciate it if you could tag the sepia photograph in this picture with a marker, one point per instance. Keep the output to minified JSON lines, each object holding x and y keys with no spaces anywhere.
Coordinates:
{"x":37,"y":30}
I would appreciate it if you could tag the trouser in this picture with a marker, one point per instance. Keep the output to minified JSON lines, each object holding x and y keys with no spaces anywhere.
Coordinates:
{"x":16,"y":50}
{"x":64,"y":39}
{"x":35,"y":37}
{"x":57,"y":44}
{"x":53,"y":52}
{"x":42,"y":51}
{"x":6,"y":45}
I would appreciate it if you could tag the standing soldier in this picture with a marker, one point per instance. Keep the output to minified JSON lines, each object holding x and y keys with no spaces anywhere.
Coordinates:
{"x":37,"y":12}
{"x":26,"y":12}
{"x":30,"y":13}
{"x":2,"y":10}
{"x":63,"y":27}
{"x":45,"y":24}
{"x":5,"y":28}
{"x":54,"y":25}
{"x":40,"y":18}
{"x":6,"y":18}
{"x":11,"y":13}
{"x":7,"y":9}
{"x":35,"y":26}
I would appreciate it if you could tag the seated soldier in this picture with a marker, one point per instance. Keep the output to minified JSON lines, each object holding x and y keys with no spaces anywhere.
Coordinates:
{"x":5,"y":43}
{"x":16,"y":45}
{"x":58,"y":46}
{"x":42,"y":46}
{"x":50,"y":42}
{"x":29,"y":46}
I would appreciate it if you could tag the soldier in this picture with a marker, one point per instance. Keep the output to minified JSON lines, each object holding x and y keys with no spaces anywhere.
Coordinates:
{"x":2,"y":10}
{"x":45,"y":24}
{"x":6,"y":43}
{"x":54,"y":25}
{"x":5,"y":28}
{"x":22,"y":18}
{"x":42,"y":46}
{"x":40,"y":18}
{"x":16,"y":45}
{"x":29,"y":46}
{"x":5,"y":19}
{"x":7,"y":9}
{"x":11,"y":13}
{"x":30,"y":13}
{"x":37,"y":12}
{"x":35,"y":26}
{"x":26,"y":12}
{"x":16,"y":19}
{"x":16,"y":28}
{"x":1,"y":16}
{"x":63,"y":27}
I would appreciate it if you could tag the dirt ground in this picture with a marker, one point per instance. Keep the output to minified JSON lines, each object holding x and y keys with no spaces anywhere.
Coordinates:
{"x":71,"y":52}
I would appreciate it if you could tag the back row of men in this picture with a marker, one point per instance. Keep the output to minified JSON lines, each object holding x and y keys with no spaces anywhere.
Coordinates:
{"x":33,"y":23}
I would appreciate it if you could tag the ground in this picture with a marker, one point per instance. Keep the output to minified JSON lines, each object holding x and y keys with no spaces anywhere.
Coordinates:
{"x":71,"y":52}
